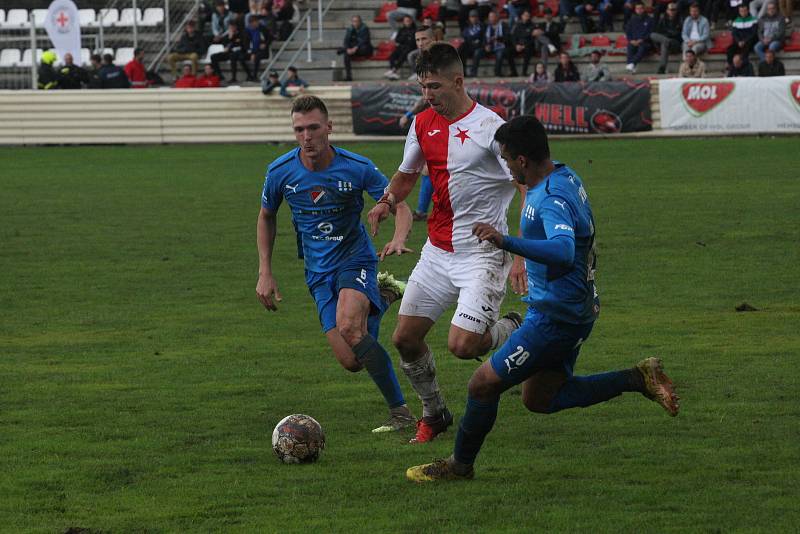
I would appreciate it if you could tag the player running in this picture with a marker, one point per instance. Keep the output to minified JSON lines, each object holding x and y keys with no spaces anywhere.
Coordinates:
{"x":558,"y":244}
{"x":455,"y":137}
{"x":324,"y":186}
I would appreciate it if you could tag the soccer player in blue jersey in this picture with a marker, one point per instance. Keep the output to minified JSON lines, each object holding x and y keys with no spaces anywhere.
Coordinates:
{"x":558,"y":236}
{"x":323,"y":186}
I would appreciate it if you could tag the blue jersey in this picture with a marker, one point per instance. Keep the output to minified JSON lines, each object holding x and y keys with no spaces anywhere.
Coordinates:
{"x":326,"y":206}
{"x":557,"y":206}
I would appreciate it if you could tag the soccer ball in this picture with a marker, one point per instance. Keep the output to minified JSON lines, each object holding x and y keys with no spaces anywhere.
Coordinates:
{"x":298,"y":439}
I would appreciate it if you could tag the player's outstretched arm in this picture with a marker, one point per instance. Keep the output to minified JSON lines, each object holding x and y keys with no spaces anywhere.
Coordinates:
{"x":399,"y":188}
{"x":402,"y":228}
{"x":267,"y":286}
{"x":557,"y":251}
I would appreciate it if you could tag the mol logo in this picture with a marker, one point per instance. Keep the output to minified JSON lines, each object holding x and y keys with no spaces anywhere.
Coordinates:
{"x":702,"y":97}
{"x":795,"y":90}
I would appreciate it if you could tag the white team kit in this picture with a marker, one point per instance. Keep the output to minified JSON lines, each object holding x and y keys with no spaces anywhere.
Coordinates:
{"x":471,"y":184}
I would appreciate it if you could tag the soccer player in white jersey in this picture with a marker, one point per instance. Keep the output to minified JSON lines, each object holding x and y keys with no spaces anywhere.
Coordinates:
{"x":455,"y":138}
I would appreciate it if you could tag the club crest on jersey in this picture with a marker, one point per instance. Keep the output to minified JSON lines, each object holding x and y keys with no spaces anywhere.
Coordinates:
{"x":344,"y":186}
{"x":462,"y":134}
{"x":316,"y":194}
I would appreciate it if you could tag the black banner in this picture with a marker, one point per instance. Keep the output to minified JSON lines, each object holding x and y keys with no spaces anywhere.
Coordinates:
{"x":564,"y":108}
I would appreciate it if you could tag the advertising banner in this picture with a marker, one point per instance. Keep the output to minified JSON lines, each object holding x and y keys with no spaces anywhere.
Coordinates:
{"x":564,"y":108}
{"x":731,"y":105}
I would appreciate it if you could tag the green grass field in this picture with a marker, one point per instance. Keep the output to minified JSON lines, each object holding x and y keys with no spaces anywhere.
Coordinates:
{"x":140,"y":378}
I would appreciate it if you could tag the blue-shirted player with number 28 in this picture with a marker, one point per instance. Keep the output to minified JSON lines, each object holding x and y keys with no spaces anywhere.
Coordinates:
{"x":324,"y":187}
{"x":558,"y":245}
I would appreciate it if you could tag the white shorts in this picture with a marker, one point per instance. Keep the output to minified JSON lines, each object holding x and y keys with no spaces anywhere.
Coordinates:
{"x":476,"y":280}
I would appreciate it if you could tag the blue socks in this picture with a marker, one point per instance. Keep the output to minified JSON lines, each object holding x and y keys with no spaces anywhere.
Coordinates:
{"x":379,"y":366}
{"x":425,"y":194}
{"x":478,"y":421}
{"x":583,"y":391}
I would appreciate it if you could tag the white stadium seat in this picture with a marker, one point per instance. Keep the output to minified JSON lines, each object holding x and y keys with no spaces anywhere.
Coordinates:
{"x":38,"y":17}
{"x":126,"y":17}
{"x":26,"y":57}
{"x":107,"y":17}
{"x":153,"y":16}
{"x":87,"y":18}
{"x":9,"y":57}
{"x":16,"y":18}
{"x":85,"y":55}
{"x":123,"y":57}
{"x":2,"y":16}
{"x":213,"y":49}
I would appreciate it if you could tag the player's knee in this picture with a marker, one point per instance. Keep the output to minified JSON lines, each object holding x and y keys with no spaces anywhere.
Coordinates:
{"x":481,"y":389}
{"x":464,"y":347}
{"x":405,"y":343}
{"x":351,"y":332}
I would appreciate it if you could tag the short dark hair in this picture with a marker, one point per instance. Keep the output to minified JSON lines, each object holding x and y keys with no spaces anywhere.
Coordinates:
{"x":137,"y":51}
{"x":108,"y":58}
{"x":307,"y":103}
{"x":95,"y":57}
{"x":694,"y":4}
{"x":524,"y":136}
{"x":292,"y":69}
{"x":437,"y":58}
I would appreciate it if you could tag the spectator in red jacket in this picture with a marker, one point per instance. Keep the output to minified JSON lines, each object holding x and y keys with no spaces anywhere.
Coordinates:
{"x":136,"y":72}
{"x":187,"y":80}
{"x":208,"y":79}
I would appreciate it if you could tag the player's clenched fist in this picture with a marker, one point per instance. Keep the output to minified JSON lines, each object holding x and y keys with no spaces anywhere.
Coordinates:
{"x":265,"y":289}
{"x":486,"y":232}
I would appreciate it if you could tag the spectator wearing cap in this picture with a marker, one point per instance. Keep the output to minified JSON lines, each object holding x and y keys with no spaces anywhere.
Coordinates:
{"x":640,"y":26}
{"x":272,"y":81}
{"x":667,"y":35}
{"x":405,"y":42}
{"x":696,"y":33}
{"x":474,"y":34}
{"x":357,"y":43}
{"x":566,"y":71}
{"x":745,"y":33}
{"x":771,"y":66}
{"x":771,"y":31}
{"x":46,"y":75}
{"x":522,"y":39}
{"x":190,"y":47}
{"x":692,"y":67}
{"x":136,"y":72}
{"x":547,"y":36}
{"x":71,"y":76}
{"x":187,"y":79}
{"x":292,"y":80}
{"x":739,"y":67}
{"x":596,"y":70}
{"x":208,"y":78}
{"x":112,"y":76}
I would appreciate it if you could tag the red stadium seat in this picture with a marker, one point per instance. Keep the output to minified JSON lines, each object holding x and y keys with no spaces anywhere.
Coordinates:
{"x":539,"y":9}
{"x":385,"y":9}
{"x":383,"y":51}
{"x":721,"y":43}
{"x":601,"y":41}
{"x":431,"y":10}
{"x":793,"y":44}
{"x":620,"y":46}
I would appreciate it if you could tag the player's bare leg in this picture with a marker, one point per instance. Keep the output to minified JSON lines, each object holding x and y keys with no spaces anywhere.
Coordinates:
{"x":469,"y":345}
{"x":418,"y":365}
{"x":355,"y":349}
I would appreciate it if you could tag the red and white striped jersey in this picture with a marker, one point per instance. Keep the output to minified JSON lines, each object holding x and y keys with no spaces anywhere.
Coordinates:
{"x":471,"y":183}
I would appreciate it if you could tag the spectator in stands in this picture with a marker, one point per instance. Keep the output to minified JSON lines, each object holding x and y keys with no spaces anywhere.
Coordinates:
{"x":257,"y":41}
{"x":566,"y":71}
{"x":136,"y":72}
{"x":497,"y":41}
{"x":208,"y":78}
{"x":596,"y":71}
{"x":405,"y":42}
{"x":584,"y":11}
{"x":187,"y":79}
{"x":539,"y":74}
{"x":667,"y":35}
{"x":112,"y":76}
{"x":692,"y":67}
{"x":740,"y":67}
{"x":357,"y":43}
{"x":422,"y":38}
{"x":771,"y":66}
{"x":771,"y":31}
{"x":547,"y":36}
{"x":272,"y":81}
{"x":71,"y":76}
{"x":787,"y":10}
{"x":238,"y":8}
{"x":606,"y":10}
{"x":745,"y":33}
{"x":450,"y":8}
{"x":640,"y":26}
{"x":758,"y":8}
{"x":696,"y":32}
{"x":233,"y":51}
{"x":285,"y":15}
{"x":93,"y":74}
{"x":522,"y":39}
{"x":404,"y":7}
{"x":219,"y":21}
{"x":474,"y":34}
{"x":566,"y":9}
{"x":292,"y":80}
{"x":515,"y":9}
{"x":467,"y":7}
{"x":190,"y":47}
{"x":46,"y":75}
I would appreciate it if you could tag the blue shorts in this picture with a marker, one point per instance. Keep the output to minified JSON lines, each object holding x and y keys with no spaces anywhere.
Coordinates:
{"x":540,"y":343}
{"x":325,"y":287}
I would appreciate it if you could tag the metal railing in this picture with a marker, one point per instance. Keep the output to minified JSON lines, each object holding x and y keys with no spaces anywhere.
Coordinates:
{"x":173,"y":36}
